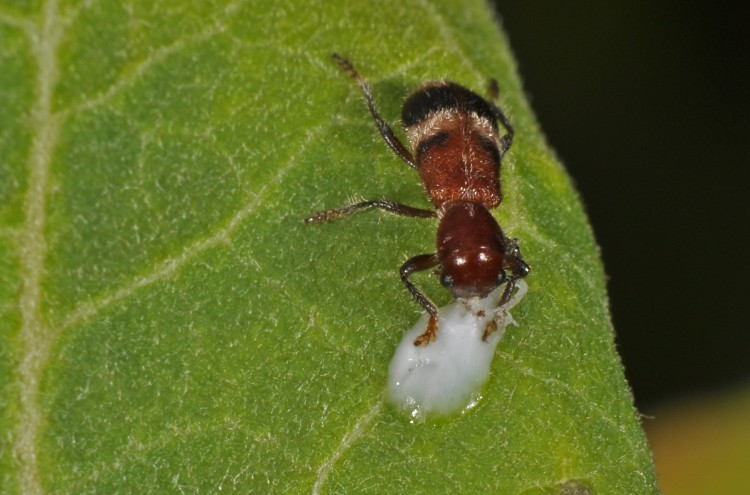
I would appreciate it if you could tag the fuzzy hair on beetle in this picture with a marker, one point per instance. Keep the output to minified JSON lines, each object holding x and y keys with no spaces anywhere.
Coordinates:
{"x":456,"y":147}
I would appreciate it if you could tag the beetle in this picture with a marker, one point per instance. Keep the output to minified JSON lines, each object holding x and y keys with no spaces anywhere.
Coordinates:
{"x":456,"y":147}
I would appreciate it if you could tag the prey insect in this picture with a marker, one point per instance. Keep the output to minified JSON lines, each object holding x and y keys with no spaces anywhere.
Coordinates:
{"x":456,"y":147}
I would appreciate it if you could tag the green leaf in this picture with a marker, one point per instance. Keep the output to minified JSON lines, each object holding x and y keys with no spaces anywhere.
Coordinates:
{"x":169,"y":324}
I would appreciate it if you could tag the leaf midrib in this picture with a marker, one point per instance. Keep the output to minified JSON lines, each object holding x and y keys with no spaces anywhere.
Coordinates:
{"x":35,"y":336}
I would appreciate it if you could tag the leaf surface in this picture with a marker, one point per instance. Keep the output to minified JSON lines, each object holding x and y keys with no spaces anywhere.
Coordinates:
{"x":169,"y":324}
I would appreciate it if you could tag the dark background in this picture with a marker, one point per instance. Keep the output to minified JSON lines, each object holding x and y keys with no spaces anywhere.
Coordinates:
{"x":647,"y":105}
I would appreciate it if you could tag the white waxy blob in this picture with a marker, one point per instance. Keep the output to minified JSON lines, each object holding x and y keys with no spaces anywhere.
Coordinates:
{"x":446,"y":375}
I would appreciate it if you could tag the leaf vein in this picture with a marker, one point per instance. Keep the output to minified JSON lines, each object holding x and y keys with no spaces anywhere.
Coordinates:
{"x":153,"y":59}
{"x":171,"y":265}
{"x":554,"y":382}
{"x":17,"y":22}
{"x":358,"y":429}
{"x":34,"y":333}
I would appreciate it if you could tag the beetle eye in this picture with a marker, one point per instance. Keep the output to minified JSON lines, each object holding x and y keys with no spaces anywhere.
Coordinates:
{"x":446,"y":280}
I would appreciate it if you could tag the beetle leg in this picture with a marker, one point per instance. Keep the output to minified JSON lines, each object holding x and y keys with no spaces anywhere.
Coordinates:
{"x":507,"y":138}
{"x":385,"y":130}
{"x":504,"y":298}
{"x":389,"y":206}
{"x":418,"y":264}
